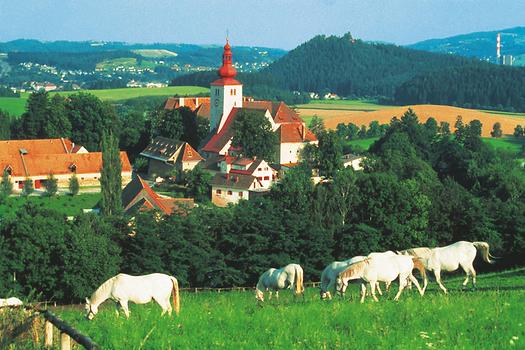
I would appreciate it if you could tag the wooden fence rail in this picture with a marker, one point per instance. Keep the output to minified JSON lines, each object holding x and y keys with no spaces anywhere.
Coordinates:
{"x":236,"y":289}
{"x":66,"y":333}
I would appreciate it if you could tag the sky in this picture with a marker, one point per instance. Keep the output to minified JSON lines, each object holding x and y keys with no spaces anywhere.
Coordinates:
{"x":270,"y":23}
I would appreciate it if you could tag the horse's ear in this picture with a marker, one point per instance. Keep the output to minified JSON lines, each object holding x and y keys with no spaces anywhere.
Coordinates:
{"x":87,"y":301}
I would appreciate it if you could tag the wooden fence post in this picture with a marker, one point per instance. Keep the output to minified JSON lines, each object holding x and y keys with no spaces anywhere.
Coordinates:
{"x":65,"y":341}
{"x":48,"y":334}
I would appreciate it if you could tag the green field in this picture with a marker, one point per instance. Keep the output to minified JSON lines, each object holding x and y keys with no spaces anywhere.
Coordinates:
{"x":126,"y":62}
{"x":347,"y":105}
{"x":16,"y":106}
{"x":155,"y":53}
{"x":67,"y":205}
{"x":363,"y":143}
{"x":489,"y":318}
{"x":509,"y":143}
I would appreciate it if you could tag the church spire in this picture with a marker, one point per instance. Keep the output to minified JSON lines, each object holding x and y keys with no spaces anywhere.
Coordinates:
{"x":227,"y":69}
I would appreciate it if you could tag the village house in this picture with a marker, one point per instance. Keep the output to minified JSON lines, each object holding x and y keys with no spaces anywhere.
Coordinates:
{"x":166,"y":155}
{"x":236,"y":177}
{"x":353,"y":161}
{"x":38,"y":159}
{"x":138,"y":196}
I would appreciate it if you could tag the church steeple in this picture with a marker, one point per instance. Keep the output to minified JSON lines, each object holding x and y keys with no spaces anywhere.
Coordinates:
{"x":226,"y":92}
{"x":227,"y":70}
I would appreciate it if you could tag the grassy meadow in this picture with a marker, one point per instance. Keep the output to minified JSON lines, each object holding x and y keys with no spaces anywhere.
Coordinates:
{"x":492,"y":317}
{"x":65,"y":204}
{"x":16,"y":106}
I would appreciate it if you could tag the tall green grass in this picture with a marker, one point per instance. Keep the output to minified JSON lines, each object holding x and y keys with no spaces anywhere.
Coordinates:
{"x":491,"y":317}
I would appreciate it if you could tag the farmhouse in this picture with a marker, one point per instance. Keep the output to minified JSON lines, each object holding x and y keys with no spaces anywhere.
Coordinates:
{"x":353,"y":161}
{"x":37,"y":159}
{"x":165,"y":155}
{"x":138,"y":196}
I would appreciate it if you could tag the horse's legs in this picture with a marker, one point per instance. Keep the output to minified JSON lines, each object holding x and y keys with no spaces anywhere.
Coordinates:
{"x":116,"y":308}
{"x":437,"y":274}
{"x":363,"y":292}
{"x":270,"y":295}
{"x":276,"y":294}
{"x":412,"y":279}
{"x":473,"y":274}
{"x":402,"y":284}
{"x":124,"y":305}
{"x":467,"y":273}
{"x":165,"y":305}
{"x":379,"y":289}
{"x":373,"y":285}
{"x":387,"y":286}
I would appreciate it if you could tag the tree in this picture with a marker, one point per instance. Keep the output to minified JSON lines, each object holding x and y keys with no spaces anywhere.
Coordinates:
{"x":51,"y":185}
{"x":444,"y":128}
{"x":6,"y":186}
{"x":316,"y":125}
{"x":330,"y":153}
{"x":167,"y":123}
{"x":197,"y":183}
{"x":254,"y":134}
{"x":28,"y":187}
{"x":518,"y":131}
{"x":496,"y":130}
{"x":57,"y":123}
{"x":460,"y":129}
{"x":5,"y":125}
{"x":34,"y":119}
{"x":74,"y":186}
{"x":89,"y":117}
{"x":110,"y":175}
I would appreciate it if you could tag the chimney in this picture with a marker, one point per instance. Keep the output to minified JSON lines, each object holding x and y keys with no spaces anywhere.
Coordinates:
{"x":236,"y":179}
{"x":302,"y":131}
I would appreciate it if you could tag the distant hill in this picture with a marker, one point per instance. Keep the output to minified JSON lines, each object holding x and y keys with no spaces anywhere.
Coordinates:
{"x":481,"y":45}
{"x":196,"y":55}
{"x":345,"y":66}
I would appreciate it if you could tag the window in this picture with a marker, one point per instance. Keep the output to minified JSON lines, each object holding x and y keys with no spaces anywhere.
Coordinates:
{"x":229,"y":193}
{"x":218,"y":191}
{"x":267,"y":178}
{"x":266,"y":169}
{"x":240,"y":194}
{"x":259,"y":178}
{"x":259,"y":169}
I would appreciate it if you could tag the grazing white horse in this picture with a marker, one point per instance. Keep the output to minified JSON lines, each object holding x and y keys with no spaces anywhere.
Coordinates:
{"x":462,"y":254}
{"x":137,"y":289}
{"x":385,"y":268}
{"x":11,"y":302}
{"x":330,"y":273}
{"x":288,"y":277}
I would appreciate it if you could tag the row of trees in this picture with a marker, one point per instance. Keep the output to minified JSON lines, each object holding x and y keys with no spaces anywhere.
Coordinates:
{"x":420,"y":187}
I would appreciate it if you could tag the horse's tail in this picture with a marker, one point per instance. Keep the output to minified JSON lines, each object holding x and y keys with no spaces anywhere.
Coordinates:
{"x":484,"y":248}
{"x":175,"y":294}
{"x":299,"y":289}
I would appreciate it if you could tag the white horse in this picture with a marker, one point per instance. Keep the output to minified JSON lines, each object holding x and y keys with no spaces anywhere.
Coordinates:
{"x":330,"y":273}
{"x":385,"y":268}
{"x":137,"y":289}
{"x":462,"y":254}
{"x":288,"y":277}
{"x":11,"y":302}
{"x":423,"y":253}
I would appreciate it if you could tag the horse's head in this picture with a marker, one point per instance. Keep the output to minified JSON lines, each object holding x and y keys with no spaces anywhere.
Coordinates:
{"x":91,"y":309}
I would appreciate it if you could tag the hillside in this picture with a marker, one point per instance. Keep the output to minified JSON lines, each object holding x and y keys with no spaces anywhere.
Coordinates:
{"x":481,"y":45}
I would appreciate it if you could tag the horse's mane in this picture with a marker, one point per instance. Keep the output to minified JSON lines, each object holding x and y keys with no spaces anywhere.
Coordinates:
{"x":354,"y":270}
{"x":103,"y":288}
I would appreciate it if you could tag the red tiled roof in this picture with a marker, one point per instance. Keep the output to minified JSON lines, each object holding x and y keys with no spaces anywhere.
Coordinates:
{"x":218,"y":141}
{"x":189,"y":154}
{"x":280,"y":112}
{"x":203,"y":110}
{"x":295,"y":132}
{"x":33,"y":147}
{"x":45,"y":164}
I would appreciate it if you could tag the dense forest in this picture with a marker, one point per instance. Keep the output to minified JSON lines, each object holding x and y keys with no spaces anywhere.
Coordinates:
{"x":421,"y":186}
{"x":476,"y":86}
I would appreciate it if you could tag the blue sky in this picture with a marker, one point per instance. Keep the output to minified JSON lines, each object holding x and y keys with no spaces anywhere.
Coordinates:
{"x":274,"y":23}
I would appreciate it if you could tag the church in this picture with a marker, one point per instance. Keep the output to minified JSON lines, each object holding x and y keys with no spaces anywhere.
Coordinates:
{"x":237,"y":177}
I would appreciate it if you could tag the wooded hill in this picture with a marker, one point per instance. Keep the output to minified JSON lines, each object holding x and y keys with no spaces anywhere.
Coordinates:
{"x":353,"y":68}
